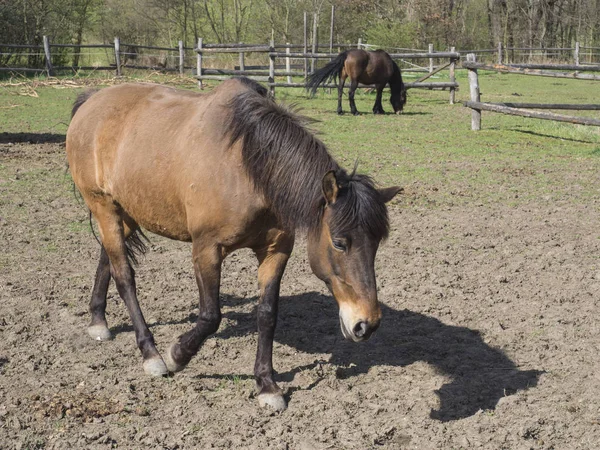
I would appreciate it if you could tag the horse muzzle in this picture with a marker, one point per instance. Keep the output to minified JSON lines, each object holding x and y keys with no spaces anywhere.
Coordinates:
{"x":359,"y":331}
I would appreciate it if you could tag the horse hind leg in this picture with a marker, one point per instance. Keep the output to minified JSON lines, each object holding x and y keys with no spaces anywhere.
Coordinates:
{"x":98,"y":328}
{"x":113,"y":229}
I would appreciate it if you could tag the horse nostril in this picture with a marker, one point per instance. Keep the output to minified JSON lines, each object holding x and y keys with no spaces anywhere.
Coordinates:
{"x":360,"y":329}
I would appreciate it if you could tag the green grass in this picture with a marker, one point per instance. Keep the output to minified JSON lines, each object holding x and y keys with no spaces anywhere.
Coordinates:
{"x":430,"y":149}
{"x":20,"y":112}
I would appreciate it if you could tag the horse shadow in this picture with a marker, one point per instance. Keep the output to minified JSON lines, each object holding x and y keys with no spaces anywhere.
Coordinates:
{"x":546,"y":135}
{"x":480,"y":375}
{"x":32,"y":138}
{"x":387,"y":113}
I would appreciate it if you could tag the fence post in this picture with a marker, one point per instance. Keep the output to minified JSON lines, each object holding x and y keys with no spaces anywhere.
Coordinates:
{"x":452,"y":76}
{"x":271,"y":68}
{"x":118,"y":55}
{"x":181,"y":58}
{"x":305,"y":44}
{"x":331,"y":35}
{"x":49,"y":67}
{"x":499,"y":52}
{"x":199,"y":62}
{"x":430,"y":59}
{"x":331,"y":29}
{"x":576,"y":53}
{"x":288,"y":66}
{"x":475,"y":97}
{"x":315,"y":43}
{"x":242,"y":60}
{"x":359,"y":45}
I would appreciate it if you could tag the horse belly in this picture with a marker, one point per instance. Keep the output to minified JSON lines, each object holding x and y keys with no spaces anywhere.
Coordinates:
{"x":183,"y":196}
{"x":156,"y":209}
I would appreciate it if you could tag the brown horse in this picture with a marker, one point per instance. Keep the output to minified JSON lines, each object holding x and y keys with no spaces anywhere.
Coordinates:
{"x":226,"y":170}
{"x":373,"y":68}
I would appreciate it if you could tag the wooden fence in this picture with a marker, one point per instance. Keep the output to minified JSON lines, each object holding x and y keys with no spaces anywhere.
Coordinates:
{"x":518,"y":55}
{"x":270,"y":73}
{"x":119,"y":55}
{"x":524,"y":109}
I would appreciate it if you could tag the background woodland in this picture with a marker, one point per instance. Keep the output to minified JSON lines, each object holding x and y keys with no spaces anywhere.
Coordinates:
{"x":465,"y":24}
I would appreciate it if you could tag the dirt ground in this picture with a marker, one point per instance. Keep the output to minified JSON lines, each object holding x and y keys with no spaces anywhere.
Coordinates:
{"x":490,"y":337}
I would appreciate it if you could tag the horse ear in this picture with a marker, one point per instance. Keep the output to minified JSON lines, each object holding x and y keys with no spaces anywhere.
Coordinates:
{"x":389,"y":193}
{"x":330,"y":187}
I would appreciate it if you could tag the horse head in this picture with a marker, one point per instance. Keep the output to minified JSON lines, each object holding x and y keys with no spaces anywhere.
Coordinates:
{"x":398,"y":88}
{"x":342,"y":248}
{"x":398,"y":99}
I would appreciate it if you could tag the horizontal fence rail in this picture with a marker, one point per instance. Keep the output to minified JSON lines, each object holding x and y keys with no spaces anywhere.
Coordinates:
{"x":573,"y":106}
{"x":524,"y":109}
{"x":535,"y":114}
{"x":544,"y":70}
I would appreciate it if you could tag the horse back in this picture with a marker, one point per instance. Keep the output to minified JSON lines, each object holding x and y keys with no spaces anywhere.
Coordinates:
{"x":373,"y":67}
{"x":162,"y":154}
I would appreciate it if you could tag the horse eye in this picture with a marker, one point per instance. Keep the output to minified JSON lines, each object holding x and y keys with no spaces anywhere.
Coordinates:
{"x":339,"y":245}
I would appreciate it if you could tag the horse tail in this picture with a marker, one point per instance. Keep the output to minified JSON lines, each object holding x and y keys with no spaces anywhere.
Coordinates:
{"x":136,"y":245}
{"x":81,"y":99}
{"x":330,"y":72}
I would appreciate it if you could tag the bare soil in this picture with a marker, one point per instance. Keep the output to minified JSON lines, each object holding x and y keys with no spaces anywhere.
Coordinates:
{"x":490,"y":337}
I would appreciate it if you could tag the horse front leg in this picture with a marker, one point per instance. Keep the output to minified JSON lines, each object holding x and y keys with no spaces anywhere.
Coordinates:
{"x":378,"y":107}
{"x":272,"y":259}
{"x":353,"y":86}
{"x":207,"y":267}
{"x":341,"y":93}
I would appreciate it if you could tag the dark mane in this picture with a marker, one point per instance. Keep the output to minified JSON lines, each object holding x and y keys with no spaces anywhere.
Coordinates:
{"x":397,"y":87}
{"x":360,"y":205}
{"x":396,"y":83}
{"x":287,"y":164}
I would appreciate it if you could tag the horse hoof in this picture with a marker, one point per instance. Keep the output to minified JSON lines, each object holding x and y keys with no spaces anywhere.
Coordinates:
{"x":99,"y":332}
{"x":340,"y":113}
{"x":171,"y":364}
{"x":275,"y":401}
{"x":155,"y":367}
{"x":356,"y":113}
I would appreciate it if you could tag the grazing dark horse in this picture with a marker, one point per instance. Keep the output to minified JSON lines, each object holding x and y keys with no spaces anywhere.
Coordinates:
{"x":362,"y":67}
{"x":226,"y":170}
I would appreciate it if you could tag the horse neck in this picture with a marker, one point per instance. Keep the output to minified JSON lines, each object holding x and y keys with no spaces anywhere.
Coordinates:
{"x":283,"y":159}
{"x":396,"y":83}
